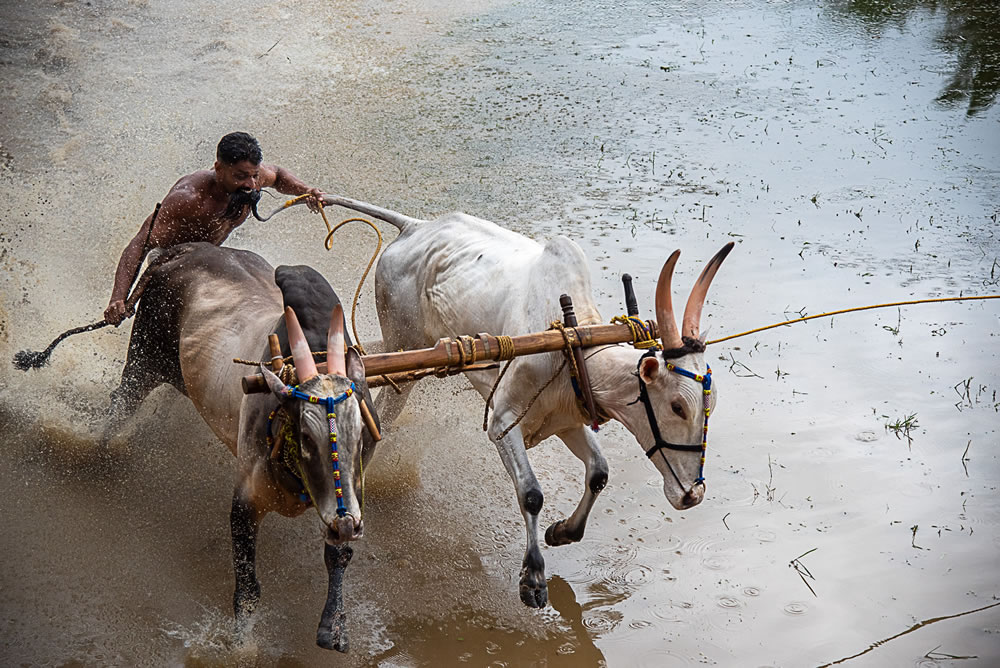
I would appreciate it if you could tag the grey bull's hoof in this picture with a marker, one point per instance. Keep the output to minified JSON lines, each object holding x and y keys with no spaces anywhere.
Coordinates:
{"x":245,"y":600}
{"x":534,"y":592}
{"x":334,"y":636}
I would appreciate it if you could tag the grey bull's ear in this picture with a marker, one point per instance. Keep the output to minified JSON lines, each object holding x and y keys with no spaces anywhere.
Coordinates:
{"x":356,"y":370}
{"x":278,"y":388}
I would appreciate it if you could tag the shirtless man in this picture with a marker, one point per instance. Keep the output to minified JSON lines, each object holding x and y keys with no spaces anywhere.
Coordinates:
{"x":205,"y":206}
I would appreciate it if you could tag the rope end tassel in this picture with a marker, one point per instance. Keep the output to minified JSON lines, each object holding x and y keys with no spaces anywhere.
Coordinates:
{"x":30,"y":359}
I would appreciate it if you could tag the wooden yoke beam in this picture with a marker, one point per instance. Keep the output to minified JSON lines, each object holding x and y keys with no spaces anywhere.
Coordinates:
{"x":458,"y":353}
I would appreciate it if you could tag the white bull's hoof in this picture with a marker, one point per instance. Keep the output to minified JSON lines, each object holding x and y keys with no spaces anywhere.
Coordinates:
{"x":533,"y":589}
{"x":557,"y":534}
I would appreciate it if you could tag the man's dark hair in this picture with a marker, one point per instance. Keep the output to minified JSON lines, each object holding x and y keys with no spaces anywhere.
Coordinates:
{"x":238,"y":146}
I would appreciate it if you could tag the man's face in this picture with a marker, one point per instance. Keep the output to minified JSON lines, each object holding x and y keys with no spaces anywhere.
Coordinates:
{"x":242,"y":182}
{"x":243,"y":175}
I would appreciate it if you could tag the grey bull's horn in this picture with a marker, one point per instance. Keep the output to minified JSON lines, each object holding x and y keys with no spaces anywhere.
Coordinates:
{"x":669,"y":335}
{"x":335,"y":362}
{"x":305,"y":366}
{"x":691,"y":326}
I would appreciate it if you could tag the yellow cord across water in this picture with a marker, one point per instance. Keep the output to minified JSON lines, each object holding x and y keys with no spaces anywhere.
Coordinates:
{"x":850,"y":310}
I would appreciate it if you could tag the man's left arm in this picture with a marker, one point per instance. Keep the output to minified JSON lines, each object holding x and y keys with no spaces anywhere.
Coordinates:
{"x":288,"y":184}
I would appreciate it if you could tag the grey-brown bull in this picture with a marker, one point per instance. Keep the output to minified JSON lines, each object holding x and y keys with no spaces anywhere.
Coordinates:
{"x":205,"y":305}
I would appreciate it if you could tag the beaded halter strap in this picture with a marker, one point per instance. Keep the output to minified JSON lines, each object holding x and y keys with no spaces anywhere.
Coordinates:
{"x":659,"y":443}
{"x":330,"y":402}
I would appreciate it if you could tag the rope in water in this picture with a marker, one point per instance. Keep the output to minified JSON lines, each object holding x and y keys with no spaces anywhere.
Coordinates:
{"x":850,"y":310}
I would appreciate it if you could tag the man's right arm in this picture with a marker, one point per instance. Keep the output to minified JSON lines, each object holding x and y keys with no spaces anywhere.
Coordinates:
{"x":179,"y":205}
{"x":130,"y":260}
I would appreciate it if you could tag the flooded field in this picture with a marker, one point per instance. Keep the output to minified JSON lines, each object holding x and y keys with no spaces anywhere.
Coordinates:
{"x":849,"y":148}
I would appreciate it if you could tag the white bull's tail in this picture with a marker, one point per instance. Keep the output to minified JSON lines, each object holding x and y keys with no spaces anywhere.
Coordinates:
{"x":398,"y":220}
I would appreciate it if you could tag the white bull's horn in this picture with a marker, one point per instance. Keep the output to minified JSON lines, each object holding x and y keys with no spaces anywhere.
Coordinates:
{"x":691,"y":325}
{"x":305,"y":366}
{"x":669,"y":335}
{"x":335,"y":362}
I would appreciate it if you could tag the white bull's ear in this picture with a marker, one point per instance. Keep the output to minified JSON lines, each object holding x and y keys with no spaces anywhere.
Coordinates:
{"x":649,"y":369}
{"x":278,"y":388}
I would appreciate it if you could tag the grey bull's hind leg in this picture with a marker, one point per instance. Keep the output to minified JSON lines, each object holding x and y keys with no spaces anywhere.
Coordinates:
{"x":583,"y":444}
{"x":135,"y":384}
{"x":532,"y":586}
{"x":244,"y":519}
{"x":153,"y":359}
{"x":332,"y":631}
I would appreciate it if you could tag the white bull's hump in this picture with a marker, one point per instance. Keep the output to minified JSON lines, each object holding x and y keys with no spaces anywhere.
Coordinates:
{"x":464,"y":274}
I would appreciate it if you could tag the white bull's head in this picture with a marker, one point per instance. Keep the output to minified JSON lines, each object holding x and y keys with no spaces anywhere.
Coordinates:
{"x":325,"y":421}
{"x":676,"y":395}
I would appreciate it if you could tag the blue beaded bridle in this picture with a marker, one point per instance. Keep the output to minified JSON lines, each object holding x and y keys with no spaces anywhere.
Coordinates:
{"x":658,"y":442}
{"x":330,"y":403}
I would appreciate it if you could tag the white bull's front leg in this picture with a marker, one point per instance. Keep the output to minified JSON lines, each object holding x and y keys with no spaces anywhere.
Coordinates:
{"x":583,"y":444}
{"x":532,"y":586}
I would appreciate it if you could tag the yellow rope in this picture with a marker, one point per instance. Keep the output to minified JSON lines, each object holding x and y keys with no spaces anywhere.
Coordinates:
{"x":641,"y":337}
{"x":850,"y":310}
{"x":328,"y":242}
{"x":506,"y":348}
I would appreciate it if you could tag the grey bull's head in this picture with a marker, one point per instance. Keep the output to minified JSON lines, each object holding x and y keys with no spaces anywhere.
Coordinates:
{"x":676,"y":395}
{"x":326,"y":424}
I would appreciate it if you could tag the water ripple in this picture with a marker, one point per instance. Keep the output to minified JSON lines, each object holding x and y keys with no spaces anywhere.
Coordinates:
{"x":795,"y":609}
{"x":729,"y":602}
{"x":699,"y":545}
{"x":764,"y":535}
{"x":660,"y":657}
{"x":673,"y":612}
{"x":717,"y":562}
{"x":602,"y":621}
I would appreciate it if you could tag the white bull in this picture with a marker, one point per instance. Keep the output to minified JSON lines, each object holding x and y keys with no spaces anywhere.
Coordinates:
{"x":461,"y":275}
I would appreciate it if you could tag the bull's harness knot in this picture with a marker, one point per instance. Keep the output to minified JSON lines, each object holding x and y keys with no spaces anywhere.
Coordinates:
{"x":642,"y":332}
{"x":291,"y":455}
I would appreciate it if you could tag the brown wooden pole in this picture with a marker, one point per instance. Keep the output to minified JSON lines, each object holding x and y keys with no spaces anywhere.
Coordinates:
{"x":275,"y":347}
{"x":569,"y":320}
{"x":445,"y":351}
{"x":366,"y":415}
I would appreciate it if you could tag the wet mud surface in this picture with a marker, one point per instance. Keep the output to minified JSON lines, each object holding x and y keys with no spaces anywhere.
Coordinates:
{"x":850,"y":149}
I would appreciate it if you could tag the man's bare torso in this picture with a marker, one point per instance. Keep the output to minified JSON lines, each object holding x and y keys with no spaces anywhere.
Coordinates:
{"x":201,"y":220}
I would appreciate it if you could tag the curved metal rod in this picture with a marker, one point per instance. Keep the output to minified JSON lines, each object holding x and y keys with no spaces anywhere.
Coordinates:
{"x":288,"y":203}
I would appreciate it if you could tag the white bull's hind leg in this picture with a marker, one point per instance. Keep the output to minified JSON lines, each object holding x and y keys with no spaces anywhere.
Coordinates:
{"x":389,"y":404}
{"x":532,"y":587}
{"x":583,"y":444}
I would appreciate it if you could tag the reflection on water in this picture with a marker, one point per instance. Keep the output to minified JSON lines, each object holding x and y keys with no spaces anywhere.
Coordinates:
{"x":970,"y":34}
{"x":476,"y":640}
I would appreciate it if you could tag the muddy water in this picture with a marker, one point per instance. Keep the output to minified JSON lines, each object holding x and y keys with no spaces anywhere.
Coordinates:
{"x":850,"y":150}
